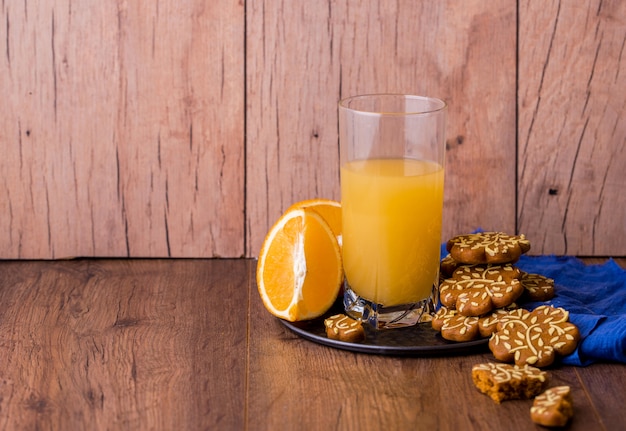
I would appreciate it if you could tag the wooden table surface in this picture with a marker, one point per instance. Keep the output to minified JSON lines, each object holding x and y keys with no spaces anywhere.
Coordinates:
{"x":187,"y":345}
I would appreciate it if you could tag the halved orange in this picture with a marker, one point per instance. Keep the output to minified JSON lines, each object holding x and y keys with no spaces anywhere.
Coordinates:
{"x":329,"y":209}
{"x":299,"y":271}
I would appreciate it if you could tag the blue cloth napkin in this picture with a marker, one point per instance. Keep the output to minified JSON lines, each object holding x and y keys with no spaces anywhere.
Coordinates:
{"x":594,"y":295}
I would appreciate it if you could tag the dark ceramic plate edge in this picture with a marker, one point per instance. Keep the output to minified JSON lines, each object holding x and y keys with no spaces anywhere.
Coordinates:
{"x":445,"y":348}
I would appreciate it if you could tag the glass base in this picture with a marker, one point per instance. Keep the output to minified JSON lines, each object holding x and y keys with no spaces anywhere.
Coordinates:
{"x":380,"y":317}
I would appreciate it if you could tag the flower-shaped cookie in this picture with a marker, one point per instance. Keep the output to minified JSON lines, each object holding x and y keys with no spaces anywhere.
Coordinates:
{"x":534,"y":338}
{"x":537,"y":287}
{"x":475,"y":290}
{"x":487,"y":247}
{"x":488,"y":324}
{"x":455,"y":327}
{"x":447,"y":266}
{"x":343,"y":328}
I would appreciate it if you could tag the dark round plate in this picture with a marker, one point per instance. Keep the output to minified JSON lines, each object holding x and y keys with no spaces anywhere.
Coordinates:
{"x":418,"y":340}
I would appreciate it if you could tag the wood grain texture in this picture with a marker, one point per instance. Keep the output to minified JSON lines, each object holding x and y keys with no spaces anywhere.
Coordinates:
{"x":595,"y":381}
{"x":122,"y":123}
{"x":185,"y":128}
{"x":322,"y":388}
{"x":572,"y":134}
{"x":123,"y":345}
{"x":163,"y":344}
{"x":303,"y":57}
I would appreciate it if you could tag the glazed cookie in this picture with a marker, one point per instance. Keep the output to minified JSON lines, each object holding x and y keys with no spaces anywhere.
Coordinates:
{"x":343,"y":328}
{"x":447,"y":266}
{"x":509,"y":382}
{"x":535,"y":337}
{"x":537,"y":287}
{"x":487,"y":247}
{"x":475,"y":290}
{"x":553,"y":408}
{"x":488,"y":324}
{"x":455,"y":327}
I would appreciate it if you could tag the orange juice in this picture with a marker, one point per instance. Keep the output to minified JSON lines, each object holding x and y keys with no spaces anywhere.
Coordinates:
{"x":391,"y":211}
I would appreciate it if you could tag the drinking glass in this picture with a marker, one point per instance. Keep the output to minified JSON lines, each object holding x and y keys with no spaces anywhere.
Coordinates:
{"x":392,"y":177}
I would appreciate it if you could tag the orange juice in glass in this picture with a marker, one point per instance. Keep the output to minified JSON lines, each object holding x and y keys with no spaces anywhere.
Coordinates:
{"x":392,"y":177}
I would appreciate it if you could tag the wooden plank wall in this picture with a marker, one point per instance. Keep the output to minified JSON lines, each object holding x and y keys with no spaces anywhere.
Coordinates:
{"x":184,"y":128}
{"x":572,"y":126}
{"x":121,"y":128}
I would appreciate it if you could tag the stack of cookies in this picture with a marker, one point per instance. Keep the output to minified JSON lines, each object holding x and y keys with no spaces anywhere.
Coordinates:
{"x":480,"y":293}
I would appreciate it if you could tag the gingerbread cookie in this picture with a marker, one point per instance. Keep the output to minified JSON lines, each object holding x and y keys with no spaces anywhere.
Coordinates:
{"x":447,"y":266}
{"x":343,"y":328}
{"x":534,"y":338}
{"x":455,"y":327}
{"x":509,"y":382}
{"x":487,"y":247}
{"x":488,"y":324}
{"x":553,"y":408}
{"x":475,"y":290}
{"x":537,"y":287}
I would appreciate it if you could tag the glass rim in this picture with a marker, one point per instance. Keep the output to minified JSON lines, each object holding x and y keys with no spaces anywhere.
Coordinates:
{"x":441,"y":105}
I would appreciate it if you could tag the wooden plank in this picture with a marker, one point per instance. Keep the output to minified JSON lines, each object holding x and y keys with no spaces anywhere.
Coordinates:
{"x":302,"y":57}
{"x":306,"y":385}
{"x":572,"y":137}
{"x":122,"y":129}
{"x":186,"y":344}
{"x":122,"y":125}
{"x":610,"y":411}
{"x":141,"y":344}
